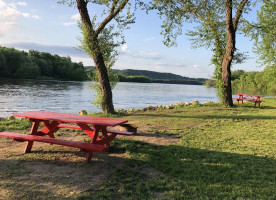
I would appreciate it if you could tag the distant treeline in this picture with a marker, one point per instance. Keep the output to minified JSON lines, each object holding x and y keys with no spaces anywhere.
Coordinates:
{"x":145,"y":76}
{"x":145,"y":79}
{"x":263,"y":81}
{"x":18,"y":64}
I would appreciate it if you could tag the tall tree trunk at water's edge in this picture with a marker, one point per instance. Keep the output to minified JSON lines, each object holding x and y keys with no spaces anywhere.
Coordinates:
{"x":228,"y":56}
{"x":107,"y":102}
{"x":94,"y":51}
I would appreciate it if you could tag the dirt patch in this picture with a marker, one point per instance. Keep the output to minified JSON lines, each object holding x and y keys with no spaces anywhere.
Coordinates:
{"x":58,"y":172}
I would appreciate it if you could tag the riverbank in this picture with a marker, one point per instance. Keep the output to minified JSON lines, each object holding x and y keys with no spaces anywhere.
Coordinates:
{"x":186,"y":152}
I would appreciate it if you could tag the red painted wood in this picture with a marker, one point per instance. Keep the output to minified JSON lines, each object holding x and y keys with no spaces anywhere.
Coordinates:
{"x":80,"y":145}
{"x":71,"y":118}
{"x":52,"y":123}
{"x":248,"y":97}
{"x":108,"y":131}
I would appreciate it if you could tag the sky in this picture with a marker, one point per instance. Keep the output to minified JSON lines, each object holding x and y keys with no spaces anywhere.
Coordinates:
{"x":51,"y":27}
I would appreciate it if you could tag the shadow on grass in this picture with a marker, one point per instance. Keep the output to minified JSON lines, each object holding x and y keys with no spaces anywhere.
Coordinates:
{"x":190,"y":173}
{"x":185,"y":173}
{"x":242,"y":117}
{"x":53,"y":175}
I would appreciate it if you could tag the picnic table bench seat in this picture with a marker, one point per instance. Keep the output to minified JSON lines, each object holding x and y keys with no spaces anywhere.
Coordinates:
{"x":69,"y":126}
{"x":80,"y":145}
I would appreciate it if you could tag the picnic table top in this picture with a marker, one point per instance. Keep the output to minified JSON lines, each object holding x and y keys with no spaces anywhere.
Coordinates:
{"x":71,"y":118}
{"x":249,"y":95}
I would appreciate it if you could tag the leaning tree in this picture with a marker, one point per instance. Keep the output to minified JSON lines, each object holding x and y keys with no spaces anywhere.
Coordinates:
{"x":217,"y":25}
{"x":101,"y":35}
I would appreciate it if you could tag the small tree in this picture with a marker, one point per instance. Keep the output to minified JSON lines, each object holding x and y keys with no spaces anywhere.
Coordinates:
{"x":100,"y":39}
{"x":217,"y":28}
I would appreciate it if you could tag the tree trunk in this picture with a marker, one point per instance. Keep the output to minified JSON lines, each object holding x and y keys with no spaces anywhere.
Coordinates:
{"x":228,"y":56}
{"x":95,"y":53}
{"x":107,"y":102}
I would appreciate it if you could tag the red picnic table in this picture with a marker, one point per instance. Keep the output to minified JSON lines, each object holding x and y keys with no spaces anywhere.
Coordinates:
{"x":94,"y":127}
{"x":248,"y":97}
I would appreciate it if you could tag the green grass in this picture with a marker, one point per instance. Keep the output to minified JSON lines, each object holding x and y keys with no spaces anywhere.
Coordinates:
{"x":222,"y":153}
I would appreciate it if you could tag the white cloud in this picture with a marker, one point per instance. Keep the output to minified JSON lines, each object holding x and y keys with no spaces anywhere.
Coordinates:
{"x":26,"y":15}
{"x":140,"y":54}
{"x":10,"y":11}
{"x":35,"y":17}
{"x":165,"y":65}
{"x":76,"y":17}
{"x":149,"y":54}
{"x":124,"y":48}
{"x":22,"y":3}
{"x":6,"y":27}
{"x":69,"y":23}
{"x":149,"y":39}
{"x":195,"y":66}
{"x":9,"y":14}
{"x":2,"y":4}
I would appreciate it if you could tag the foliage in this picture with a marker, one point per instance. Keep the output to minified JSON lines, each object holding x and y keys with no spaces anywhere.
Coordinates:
{"x":99,"y":39}
{"x":264,"y":81}
{"x":210,"y":83}
{"x":108,"y":46}
{"x":146,"y":79}
{"x":263,"y":32}
{"x":35,"y":65}
{"x":210,"y":32}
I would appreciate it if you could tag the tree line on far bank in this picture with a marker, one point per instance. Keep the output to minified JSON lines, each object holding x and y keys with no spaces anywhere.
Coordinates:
{"x":18,"y":64}
{"x":255,"y":81}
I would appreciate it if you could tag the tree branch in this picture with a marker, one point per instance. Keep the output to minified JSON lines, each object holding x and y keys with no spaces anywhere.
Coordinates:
{"x":85,"y":18}
{"x":113,"y":12}
{"x":239,"y":13}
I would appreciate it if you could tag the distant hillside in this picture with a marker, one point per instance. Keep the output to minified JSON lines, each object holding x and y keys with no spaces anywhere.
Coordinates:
{"x":150,"y":74}
{"x":145,"y":76}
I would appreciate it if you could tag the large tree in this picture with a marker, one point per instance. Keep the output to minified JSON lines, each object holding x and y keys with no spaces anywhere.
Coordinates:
{"x":264,"y":33}
{"x":100,"y":37}
{"x":217,"y":22}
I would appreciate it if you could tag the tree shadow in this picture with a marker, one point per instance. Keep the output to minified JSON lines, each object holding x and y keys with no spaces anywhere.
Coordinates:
{"x":39,"y":177}
{"x":243,"y":117}
{"x":192,"y":173}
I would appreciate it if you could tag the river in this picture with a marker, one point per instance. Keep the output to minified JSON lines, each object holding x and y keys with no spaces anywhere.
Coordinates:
{"x":72,"y":96}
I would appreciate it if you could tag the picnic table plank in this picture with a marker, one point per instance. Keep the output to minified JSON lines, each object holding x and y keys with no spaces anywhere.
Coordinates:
{"x":71,"y":118}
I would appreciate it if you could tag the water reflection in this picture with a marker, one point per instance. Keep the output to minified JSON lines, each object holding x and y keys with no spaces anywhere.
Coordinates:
{"x":71,"y":97}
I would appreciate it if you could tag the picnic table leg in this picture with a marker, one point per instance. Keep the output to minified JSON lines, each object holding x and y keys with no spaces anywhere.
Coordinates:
{"x":49,"y":128}
{"x":106,"y":139}
{"x":33,"y":132}
{"x":89,"y":156}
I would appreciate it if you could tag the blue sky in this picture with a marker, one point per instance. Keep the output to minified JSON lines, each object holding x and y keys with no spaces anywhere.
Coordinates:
{"x":50,"y":27}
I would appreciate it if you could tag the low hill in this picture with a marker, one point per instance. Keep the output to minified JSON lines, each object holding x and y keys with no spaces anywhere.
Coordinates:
{"x":133,"y":75}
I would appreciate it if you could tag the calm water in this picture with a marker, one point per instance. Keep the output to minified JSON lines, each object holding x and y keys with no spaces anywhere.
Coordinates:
{"x":71,"y":97}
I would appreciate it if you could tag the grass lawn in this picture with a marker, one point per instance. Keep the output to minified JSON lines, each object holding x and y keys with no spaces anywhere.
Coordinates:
{"x":191,"y":152}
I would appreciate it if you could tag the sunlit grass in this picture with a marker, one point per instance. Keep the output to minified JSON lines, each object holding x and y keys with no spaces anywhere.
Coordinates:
{"x":222,"y":153}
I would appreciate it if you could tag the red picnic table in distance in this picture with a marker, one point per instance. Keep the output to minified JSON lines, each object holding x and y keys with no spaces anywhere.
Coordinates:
{"x":248,"y":97}
{"x":94,"y":127}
